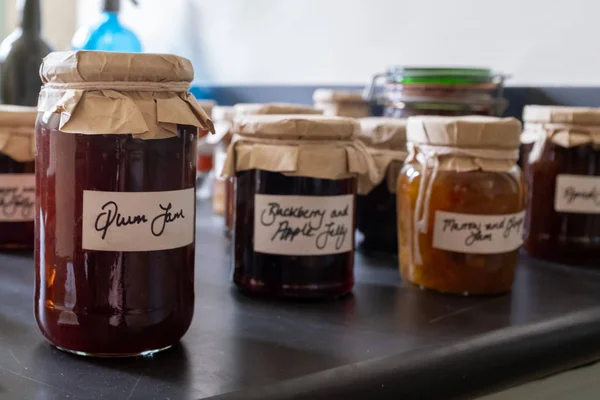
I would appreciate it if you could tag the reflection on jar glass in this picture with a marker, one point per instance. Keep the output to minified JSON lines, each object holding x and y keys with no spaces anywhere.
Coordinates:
{"x":461,"y":204}
{"x":115,"y":216}
{"x":560,"y":161}
{"x":17,"y":178}
{"x":294,"y":204}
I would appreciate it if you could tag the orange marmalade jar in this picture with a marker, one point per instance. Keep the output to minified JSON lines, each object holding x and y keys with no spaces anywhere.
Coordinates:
{"x":461,"y":202}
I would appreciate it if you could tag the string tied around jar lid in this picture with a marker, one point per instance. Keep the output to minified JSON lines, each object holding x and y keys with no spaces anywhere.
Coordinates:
{"x":122,"y":86}
{"x":456,"y":145}
{"x":562,"y":134}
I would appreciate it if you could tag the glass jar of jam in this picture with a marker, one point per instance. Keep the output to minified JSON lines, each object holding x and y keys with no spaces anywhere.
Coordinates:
{"x":376,"y":217}
{"x":115,"y":211}
{"x":461,"y":204}
{"x":341,"y":103}
{"x":223,"y":119}
{"x":244,"y":109}
{"x":408,"y":92}
{"x":294,"y":204}
{"x":17,"y":178}
{"x":560,"y":163}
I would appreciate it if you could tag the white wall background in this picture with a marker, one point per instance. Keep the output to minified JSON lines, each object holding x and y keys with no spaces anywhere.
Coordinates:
{"x":540,"y":42}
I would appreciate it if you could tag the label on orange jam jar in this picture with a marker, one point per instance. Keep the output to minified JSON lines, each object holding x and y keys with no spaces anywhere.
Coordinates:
{"x":577,"y":194}
{"x":479,"y":234}
{"x":138,"y":221}
{"x":17,"y":197}
{"x":303,"y":225}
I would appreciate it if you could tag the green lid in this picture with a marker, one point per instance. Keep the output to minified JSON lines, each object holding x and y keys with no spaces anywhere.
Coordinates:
{"x":448,"y":76}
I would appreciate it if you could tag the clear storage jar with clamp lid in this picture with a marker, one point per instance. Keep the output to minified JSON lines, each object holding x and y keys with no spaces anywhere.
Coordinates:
{"x":461,"y":204}
{"x":409,"y":91}
{"x":376,"y":216}
{"x":115,"y":214}
{"x":561,"y":153}
{"x":17,"y":178}
{"x":294,"y":203}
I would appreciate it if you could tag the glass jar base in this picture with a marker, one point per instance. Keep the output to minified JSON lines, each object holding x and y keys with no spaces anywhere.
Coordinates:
{"x":258,"y":289}
{"x":464,"y":293}
{"x":114,"y":355}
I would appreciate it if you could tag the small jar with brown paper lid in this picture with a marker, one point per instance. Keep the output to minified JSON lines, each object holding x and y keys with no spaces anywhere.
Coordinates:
{"x":296,"y":180}
{"x":115,"y":217}
{"x":17,"y":177}
{"x":461,"y":204}
{"x":561,"y":153}
{"x":376,"y":218}
{"x":245,"y":109}
{"x":342,"y":103}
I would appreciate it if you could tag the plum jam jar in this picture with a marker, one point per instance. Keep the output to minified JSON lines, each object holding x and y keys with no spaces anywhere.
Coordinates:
{"x":561,"y":162}
{"x":385,"y":139}
{"x":461,"y":204}
{"x":17,"y":178}
{"x":115,"y":213}
{"x":296,"y":181}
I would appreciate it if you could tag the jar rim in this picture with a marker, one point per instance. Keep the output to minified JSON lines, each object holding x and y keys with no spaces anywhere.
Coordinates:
{"x":442,"y":75}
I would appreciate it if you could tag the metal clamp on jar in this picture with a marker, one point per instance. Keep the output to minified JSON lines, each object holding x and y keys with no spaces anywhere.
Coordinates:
{"x":404,"y":92}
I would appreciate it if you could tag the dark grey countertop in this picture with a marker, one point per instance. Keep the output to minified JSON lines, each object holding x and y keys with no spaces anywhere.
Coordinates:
{"x":239,"y":343}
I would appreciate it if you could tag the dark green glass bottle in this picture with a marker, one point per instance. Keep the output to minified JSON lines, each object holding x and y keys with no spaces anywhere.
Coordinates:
{"x":21,"y":55}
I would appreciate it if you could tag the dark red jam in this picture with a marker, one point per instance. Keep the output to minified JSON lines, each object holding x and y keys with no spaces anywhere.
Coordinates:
{"x":109,"y":303}
{"x":376,"y":220}
{"x":567,"y":237}
{"x":285,"y":275}
{"x":16,"y":201}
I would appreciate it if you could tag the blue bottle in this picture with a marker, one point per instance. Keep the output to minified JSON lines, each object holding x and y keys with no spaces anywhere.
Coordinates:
{"x":108,"y":34}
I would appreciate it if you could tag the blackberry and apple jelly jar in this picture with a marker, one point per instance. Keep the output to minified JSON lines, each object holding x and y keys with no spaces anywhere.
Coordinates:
{"x":296,"y":181}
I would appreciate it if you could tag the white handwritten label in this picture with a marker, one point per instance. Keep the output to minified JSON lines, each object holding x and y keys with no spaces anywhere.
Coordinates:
{"x":138,"y":221}
{"x":17,"y":197}
{"x":303,"y":225}
{"x":479,"y":234}
{"x":577,"y":194}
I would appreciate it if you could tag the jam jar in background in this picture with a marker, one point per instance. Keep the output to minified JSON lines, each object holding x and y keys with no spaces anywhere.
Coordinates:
{"x":244,"y":109}
{"x":376,"y":218}
{"x":115,"y":210}
{"x":17,"y":178}
{"x":461,"y":204}
{"x":223,"y":120}
{"x":561,"y":164}
{"x":296,"y":180}
{"x":409,"y":91}
{"x":342,"y":103}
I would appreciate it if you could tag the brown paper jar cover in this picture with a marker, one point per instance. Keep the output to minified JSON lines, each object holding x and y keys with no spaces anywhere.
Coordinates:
{"x":564,"y":126}
{"x":145,"y":95}
{"x":342,"y":103}
{"x":17,"y":128}
{"x":299,"y":145}
{"x":466,"y":143}
{"x":243,"y":109}
{"x":385,"y":139}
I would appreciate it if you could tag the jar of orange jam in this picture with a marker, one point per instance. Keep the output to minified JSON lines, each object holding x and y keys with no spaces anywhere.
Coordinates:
{"x":461,"y":201}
